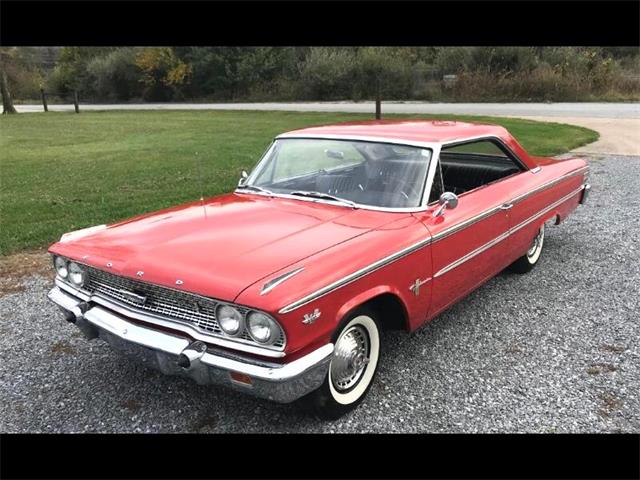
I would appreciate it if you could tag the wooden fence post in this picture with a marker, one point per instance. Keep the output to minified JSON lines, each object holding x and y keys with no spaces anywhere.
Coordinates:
{"x":75,"y":101}
{"x":44,"y":100}
{"x":378,"y":106}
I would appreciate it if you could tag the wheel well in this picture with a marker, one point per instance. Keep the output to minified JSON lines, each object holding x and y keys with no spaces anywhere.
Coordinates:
{"x":393,"y":315}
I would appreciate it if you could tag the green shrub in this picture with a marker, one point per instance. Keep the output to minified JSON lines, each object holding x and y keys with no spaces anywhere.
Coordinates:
{"x":115,"y":76}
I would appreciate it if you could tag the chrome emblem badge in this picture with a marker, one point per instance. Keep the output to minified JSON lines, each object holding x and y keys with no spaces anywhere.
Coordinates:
{"x":133,"y":298}
{"x":415,"y":287}
{"x":140,"y":273}
{"x":179,"y":282}
{"x":309,"y":318}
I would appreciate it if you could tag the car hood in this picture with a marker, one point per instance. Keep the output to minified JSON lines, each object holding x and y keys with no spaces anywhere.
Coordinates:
{"x":218,"y":247}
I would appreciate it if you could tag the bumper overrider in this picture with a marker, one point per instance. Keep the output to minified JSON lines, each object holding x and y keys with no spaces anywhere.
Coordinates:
{"x":175,"y":355}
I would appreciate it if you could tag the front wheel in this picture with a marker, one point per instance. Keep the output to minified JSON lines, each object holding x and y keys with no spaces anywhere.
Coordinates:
{"x":526,"y":262}
{"x":352,"y":367}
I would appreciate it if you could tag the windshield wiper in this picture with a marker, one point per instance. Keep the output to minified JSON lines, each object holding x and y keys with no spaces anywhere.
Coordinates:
{"x":254,"y":188}
{"x":324,"y":196}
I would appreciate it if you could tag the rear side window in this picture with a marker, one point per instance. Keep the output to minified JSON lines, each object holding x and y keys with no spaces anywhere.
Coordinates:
{"x":471,"y":165}
{"x":483,"y":147}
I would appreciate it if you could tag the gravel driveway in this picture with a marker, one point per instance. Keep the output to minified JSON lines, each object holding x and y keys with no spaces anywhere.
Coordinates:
{"x":553,"y":351}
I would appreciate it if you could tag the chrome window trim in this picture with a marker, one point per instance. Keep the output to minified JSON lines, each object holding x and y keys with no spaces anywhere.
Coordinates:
{"x":433,"y":146}
{"x":236,"y":344}
{"x":491,"y":138}
{"x":362,"y":138}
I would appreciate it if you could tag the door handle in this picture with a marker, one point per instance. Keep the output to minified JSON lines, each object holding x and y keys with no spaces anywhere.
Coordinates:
{"x":506,"y":206}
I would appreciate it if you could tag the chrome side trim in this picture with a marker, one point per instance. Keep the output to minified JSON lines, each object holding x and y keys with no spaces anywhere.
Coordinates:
{"x":506,"y":234}
{"x":354,"y":276}
{"x":471,"y":254}
{"x":549,"y":184}
{"x":235,"y":345}
{"x":271,"y":284}
{"x":381,"y":263}
{"x":466,"y":223}
{"x":546,"y":210}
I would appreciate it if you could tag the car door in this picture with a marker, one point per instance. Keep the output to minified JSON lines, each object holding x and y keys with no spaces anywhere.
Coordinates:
{"x":470,"y":243}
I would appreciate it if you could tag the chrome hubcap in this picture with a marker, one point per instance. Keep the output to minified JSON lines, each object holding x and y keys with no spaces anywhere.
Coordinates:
{"x":536,"y":243}
{"x":351,"y":356}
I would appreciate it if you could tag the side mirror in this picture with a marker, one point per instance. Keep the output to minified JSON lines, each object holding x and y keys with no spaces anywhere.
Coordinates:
{"x":447,"y":200}
{"x":243,"y":178}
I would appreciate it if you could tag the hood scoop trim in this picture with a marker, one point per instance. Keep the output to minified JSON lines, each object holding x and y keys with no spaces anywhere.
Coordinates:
{"x":271,"y":284}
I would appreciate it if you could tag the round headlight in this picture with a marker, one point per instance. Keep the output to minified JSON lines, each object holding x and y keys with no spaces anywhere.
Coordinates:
{"x":61,"y":267}
{"x":229,"y":319}
{"x":77,"y":275}
{"x":261,"y":328}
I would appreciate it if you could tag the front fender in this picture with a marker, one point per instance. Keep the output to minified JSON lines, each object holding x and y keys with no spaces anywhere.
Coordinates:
{"x":367,"y":296}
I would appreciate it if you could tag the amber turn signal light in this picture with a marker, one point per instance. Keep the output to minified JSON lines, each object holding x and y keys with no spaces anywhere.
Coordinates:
{"x":241,"y":378}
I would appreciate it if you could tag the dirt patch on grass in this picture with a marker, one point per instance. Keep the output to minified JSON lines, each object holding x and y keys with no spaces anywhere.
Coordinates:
{"x":14,"y":269}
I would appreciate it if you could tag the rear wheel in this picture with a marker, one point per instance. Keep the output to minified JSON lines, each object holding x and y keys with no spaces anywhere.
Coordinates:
{"x":529,"y":260}
{"x":352,"y":367}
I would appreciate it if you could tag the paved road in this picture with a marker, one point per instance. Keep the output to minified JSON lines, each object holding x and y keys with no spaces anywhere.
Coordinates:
{"x":588,"y":110}
{"x":542,"y":352}
{"x":617,"y":123}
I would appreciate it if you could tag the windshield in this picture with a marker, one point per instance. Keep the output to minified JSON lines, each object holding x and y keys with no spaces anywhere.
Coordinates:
{"x":351,"y":171}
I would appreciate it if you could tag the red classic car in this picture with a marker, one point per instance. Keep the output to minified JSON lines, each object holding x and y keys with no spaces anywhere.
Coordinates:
{"x":282,"y":288}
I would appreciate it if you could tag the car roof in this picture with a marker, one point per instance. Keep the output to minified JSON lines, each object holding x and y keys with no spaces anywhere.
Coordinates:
{"x":433,"y":131}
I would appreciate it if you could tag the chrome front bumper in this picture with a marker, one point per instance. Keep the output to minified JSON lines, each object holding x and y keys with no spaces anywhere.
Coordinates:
{"x":175,"y":355}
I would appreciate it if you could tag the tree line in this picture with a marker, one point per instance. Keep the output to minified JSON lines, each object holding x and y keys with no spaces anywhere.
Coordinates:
{"x":155,"y":74}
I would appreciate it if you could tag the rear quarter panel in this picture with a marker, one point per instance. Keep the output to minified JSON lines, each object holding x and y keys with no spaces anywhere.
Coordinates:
{"x":555,"y":190}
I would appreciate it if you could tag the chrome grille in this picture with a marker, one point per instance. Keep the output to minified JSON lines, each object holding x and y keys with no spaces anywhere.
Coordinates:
{"x":183,"y":307}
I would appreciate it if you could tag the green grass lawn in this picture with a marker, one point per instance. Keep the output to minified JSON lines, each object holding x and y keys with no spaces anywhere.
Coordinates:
{"x":62,"y":171}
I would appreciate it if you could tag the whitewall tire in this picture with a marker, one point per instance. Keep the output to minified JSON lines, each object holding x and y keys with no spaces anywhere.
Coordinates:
{"x":529,"y":260}
{"x":352,"y":368}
